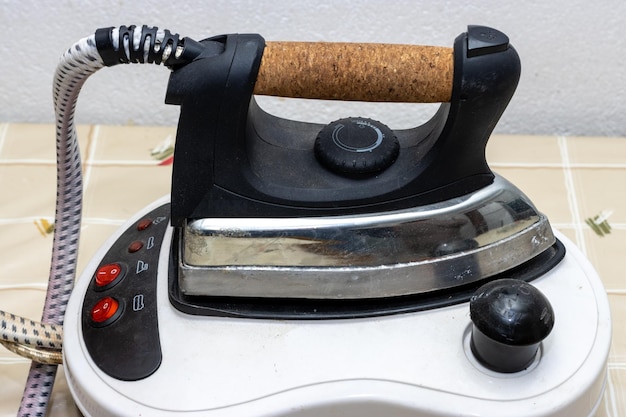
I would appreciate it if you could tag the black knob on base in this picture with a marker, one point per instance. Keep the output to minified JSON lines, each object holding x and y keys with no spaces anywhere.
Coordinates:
{"x":510,"y":319}
{"x":356,"y":146}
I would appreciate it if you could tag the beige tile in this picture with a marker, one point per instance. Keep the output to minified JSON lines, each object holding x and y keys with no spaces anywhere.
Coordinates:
{"x":546,"y":189}
{"x":597,"y":150}
{"x":37,"y":141}
{"x":23,"y":302}
{"x":607,"y":255}
{"x":615,"y":395}
{"x":130,"y":142}
{"x":601,"y":189}
{"x":502,"y":149}
{"x":602,"y":410}
{"x":27,"y":190}
{"x":24,"y":254}
{"x":567,"y":230}
{"x":118,"y":192}
{"x":618,"y":343}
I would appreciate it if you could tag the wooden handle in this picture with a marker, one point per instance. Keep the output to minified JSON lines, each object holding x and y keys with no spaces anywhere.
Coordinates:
{"x":359,"y":72}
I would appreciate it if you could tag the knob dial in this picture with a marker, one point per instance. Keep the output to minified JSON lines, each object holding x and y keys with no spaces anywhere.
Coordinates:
{"x":356,"y":146}
{"x":510,"y":319}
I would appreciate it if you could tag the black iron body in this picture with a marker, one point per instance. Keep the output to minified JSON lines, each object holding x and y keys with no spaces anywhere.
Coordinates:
{"x":232,"y":159}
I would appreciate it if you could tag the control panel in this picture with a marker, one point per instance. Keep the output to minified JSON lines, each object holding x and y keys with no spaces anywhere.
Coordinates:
{"x":119,"y":315}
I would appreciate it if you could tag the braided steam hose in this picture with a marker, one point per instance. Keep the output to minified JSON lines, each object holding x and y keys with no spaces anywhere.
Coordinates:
{"x":106,"y":47}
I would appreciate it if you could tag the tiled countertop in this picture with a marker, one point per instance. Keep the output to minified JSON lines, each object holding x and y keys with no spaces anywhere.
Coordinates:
{"x":570,"y":179}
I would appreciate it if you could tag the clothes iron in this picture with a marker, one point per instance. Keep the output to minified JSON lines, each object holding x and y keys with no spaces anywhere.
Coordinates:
{"x":348,"y":269}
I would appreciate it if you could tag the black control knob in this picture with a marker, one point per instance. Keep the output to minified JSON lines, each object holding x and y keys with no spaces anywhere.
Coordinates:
{"x":510,"y":319}
{"x":356,"y":146}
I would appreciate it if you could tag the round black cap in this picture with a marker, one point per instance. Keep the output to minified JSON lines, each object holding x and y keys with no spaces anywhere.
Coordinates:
{"x":510,"y":319}
{"x":512,"y":311}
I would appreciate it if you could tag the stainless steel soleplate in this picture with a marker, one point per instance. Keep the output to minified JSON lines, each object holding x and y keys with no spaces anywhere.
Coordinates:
{"x":423,"y":249}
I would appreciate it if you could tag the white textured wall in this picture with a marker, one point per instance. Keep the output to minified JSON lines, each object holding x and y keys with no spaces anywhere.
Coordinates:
{"x":573,"y":55}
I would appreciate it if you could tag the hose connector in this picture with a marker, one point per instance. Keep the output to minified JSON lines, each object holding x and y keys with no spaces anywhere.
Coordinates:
{"x":130,"y":45}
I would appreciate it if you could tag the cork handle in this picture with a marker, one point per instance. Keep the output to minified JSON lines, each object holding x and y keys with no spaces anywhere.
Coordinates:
{"x":360,"y":72}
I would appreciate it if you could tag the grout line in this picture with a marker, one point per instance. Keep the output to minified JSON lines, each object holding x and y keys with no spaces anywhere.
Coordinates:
{"x":33,"y":286}
{"x":609,"y":397}
{"x":4,"y":128}
{"x":617,"y":365}
{"x":614,"y":226}
{"x":571,"y":194}
{"x":618,"y":226}
{"x":27,"y":161}
{"x":597,"y":166}
{"x":616,"y":291}
{"x":17,"y":360}
{"x":21,"y":220}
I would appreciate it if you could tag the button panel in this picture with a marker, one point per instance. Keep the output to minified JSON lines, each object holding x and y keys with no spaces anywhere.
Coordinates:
{"x":119,"y":314}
